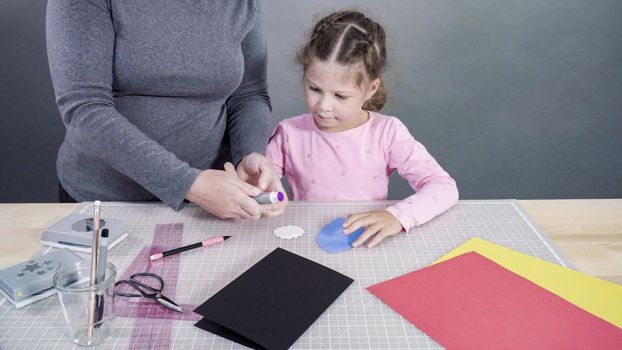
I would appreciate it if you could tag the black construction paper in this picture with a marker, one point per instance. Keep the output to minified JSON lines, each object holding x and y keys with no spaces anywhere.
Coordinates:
{"x":226,"y":333}
{"x":274,"y":302}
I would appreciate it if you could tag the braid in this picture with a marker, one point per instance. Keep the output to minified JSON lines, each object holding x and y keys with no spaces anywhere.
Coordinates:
{"x":349,"y":37}
{"x":326,"y":23}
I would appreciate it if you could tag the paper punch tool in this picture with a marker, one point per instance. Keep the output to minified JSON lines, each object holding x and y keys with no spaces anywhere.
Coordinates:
{"x":32,"y":280}
{"x":75,"y":232}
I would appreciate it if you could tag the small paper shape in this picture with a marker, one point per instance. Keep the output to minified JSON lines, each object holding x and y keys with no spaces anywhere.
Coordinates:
{"x":470,"y":302}
{"x":289,"y":232}
{"x":597,"y":296}
{"x":274,"y":302}
{"x":332,"y":239}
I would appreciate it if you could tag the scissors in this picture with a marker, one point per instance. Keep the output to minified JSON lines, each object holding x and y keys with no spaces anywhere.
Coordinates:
{"x":148,"y":291}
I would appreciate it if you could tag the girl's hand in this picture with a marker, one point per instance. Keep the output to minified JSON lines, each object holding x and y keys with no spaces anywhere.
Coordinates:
{"x":378,"y":223}
{"x":258,"y":170}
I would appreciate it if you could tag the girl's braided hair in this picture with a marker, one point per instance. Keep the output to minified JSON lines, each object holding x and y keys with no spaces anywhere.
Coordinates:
{"x":349,"y":37}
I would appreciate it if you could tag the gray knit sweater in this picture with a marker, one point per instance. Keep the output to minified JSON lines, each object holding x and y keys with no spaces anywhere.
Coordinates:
{"x":153,"y":91}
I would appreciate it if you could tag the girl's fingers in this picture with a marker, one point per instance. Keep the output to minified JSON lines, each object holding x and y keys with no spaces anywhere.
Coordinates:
{"x":350,"y":219}
{"x":275,"y":209}
{"x":360,"y":220}
{"x":230,"y":169}
{"x":242,"y":205}
{"x":247,"y":188}
{"x":384,"y":233}
{"x":369,"y":231}
{"x":267,"y":175}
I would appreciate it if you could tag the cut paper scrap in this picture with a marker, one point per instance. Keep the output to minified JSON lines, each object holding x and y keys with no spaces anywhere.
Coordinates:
{"x":274,"y":302}
{"x":599,"y":297}
{"x":332,"y":239}
{"x":471,"y":302}
{"x":289,"y":231}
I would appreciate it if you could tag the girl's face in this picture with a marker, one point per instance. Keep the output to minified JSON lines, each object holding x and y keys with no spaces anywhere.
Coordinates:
{"x":333,"y":96}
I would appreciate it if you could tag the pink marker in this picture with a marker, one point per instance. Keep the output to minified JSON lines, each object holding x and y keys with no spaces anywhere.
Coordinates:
{"x":205,"y":243}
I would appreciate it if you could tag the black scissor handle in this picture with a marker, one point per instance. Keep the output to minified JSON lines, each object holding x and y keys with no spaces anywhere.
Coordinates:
{"x":138,"y":285}
{"x":134,"y":279}
{"x":131,"y":295}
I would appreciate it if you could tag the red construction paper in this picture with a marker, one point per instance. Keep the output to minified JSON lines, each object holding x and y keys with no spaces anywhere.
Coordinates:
{"x":471,"y":302}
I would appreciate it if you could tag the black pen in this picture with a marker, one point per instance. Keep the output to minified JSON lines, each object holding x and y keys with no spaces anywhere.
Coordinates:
{"x":101,"y":272}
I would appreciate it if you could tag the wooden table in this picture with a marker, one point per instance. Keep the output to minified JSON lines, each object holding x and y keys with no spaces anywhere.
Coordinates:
{"x":588,"y":232}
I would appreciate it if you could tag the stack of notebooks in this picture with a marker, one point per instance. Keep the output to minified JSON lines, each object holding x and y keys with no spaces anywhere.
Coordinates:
{"x":485,"y":296}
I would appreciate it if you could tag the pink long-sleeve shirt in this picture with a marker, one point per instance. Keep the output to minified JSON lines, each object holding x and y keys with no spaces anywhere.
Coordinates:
{"x":355,"y":164}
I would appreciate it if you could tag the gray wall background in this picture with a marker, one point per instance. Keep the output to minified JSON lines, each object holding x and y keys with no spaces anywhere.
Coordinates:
{"x":516,"y":99}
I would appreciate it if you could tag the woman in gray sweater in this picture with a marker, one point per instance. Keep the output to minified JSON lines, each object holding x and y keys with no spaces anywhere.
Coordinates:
{"x":156,"y":93}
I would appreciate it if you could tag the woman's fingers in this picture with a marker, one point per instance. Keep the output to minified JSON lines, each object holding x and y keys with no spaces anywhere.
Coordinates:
{"x":249,"y":209}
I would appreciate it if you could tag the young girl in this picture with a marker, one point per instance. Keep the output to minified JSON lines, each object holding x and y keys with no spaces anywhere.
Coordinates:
{"x":343,"y":149}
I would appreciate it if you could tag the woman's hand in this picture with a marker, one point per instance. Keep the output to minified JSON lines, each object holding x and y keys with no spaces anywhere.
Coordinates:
{"x":225,"y":195}
{"x":258,"y":170}
{"x":379,"y":223}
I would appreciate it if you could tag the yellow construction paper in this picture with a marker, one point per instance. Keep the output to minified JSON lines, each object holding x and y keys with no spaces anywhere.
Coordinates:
{"x":599,"y":297}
